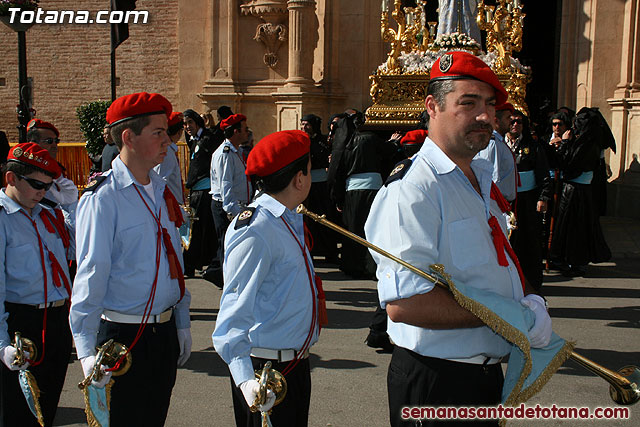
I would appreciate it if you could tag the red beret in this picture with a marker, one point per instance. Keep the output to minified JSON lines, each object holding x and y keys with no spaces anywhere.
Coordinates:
{"x":41,"y":124}
{"x":463,"y":65}
{"x":231,"y":120}
{"x":414,"y":137}
{"x":506,"y":106}
{"x":32,"y":154}
{"x":137,"y":105}
{"x":276,"y":151}
{"x":175,"y":118}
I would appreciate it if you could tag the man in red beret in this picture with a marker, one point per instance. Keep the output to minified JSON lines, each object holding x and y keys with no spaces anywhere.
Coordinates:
{"x":231,"y":189}
{"x":129,"y":286}
{"x":63,"y":191}
{"x":35,"y":244}
{"x":269,"y":305}
{"x":439,"y":208}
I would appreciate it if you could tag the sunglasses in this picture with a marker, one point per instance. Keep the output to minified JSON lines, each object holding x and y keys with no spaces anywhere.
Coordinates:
{"x":35,"y":184}
{"x":557,"y":124}
{"x":50,"y":141}
{"x":518,"y":121}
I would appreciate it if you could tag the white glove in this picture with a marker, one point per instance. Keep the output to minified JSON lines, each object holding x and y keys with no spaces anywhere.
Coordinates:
{"x":88,"y":363}
{"x":540,"y":333}
{"x":8,"y":355}
{"x":250,"y":389}
{"x":184,"y":341}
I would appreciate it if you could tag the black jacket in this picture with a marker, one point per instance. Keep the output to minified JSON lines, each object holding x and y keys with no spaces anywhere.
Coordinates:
{"x":200,"y":164}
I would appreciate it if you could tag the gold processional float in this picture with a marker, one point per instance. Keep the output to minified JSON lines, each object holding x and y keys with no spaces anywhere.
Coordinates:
{"x":399,"y":86}
{"x":399,"y":89}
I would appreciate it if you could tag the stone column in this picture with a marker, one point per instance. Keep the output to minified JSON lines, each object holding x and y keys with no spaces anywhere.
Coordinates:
{"x":301,"y":42}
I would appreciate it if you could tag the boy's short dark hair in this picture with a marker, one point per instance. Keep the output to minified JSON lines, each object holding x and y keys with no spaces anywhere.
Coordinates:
{"x":172,"y":130}
{"x":279,"y":180}
{"x":228,"y":131}
{"x":136,"y":125}
{"x":23,"y":169}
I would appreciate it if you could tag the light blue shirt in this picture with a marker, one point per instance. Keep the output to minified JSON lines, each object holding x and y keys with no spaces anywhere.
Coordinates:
{"x":169,"y":170}
{"x":229,"y":184}
{"x":116,"y":252}
{"x":267,"y":298}
{"x":22,"y":279}
{"x":434,"y":215}
{"x":504,"y":165}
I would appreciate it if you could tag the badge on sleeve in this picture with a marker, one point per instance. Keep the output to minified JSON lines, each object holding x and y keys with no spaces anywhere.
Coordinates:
{"x":226,"y":149}
{"x":245,"y":218}
{"x":399,"y":171}
{"x":95,"y":183}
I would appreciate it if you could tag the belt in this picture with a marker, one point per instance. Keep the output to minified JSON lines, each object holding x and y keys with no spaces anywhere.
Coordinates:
{"x":114,"y":316}
{"x":478,"y":360}
{"x":50,"y":304}
{"x":279,"y":355}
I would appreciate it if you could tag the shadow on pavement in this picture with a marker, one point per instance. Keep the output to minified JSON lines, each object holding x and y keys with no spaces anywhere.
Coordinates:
{"x":203,"y":314}
{"x":580,"y":291}
{"x":629,"y":316}
{"x":207,"y":361}
{"x":610,"y":359}
{"x":68,"y":416}
{"x":316,"y":362}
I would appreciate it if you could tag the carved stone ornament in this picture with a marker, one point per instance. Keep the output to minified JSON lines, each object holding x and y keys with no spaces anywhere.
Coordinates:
{"x":272,"y":36}
{"x":272,"y":32}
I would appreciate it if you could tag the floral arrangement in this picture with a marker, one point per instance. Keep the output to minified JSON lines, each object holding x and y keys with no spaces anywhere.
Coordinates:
{"x":420,"y":63}
{"x":455,"y":41}
{"x":5,"y":5}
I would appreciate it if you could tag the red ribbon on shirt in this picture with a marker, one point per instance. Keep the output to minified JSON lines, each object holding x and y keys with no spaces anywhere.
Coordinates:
{"x":500,"y":241}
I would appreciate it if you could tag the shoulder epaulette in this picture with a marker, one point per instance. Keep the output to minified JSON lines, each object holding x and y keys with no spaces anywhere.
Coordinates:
{"x":399,"y":171}
{"x":226,"y":149}
{"x":49,"y":203}
{"x":245,"y":218}
{"x":95,"y":183}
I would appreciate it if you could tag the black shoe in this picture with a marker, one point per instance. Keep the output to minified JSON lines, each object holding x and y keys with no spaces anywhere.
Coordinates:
{"x":214,"y":277}
{"x":379,"y":340}
{"x":575,"y":271}
{"x":189,"y":273}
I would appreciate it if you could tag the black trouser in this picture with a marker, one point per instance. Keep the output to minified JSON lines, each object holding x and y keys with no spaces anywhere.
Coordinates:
{"x":49,"y":374}
{"x":325,"y":240}
{"x":526,"y":239}
{"x":221,"y":222}
{"x":356,"y":259}
{"x":141,"y":396}
{"x":379,"y":321}
{"x":293,"y":411}
{"x":202,"y":248}
{"x":415,"y":380}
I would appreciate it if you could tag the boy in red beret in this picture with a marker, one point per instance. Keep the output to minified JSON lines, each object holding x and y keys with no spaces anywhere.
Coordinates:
{"x":35,"y":245}
{"x":129,"y":286}
{"x":269,"y":305}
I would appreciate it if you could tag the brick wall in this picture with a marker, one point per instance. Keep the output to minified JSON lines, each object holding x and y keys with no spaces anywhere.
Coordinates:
{"x":70,"y":64}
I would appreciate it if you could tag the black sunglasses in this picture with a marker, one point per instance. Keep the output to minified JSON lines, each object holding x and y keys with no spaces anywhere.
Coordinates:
{"x":557,"y":124}
{"x":519,"y":121}
{"x":35,"y":184}
{"x":51,"y":141}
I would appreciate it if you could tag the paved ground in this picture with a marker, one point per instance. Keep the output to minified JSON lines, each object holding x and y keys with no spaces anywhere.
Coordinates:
{"x":600,"y":311}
